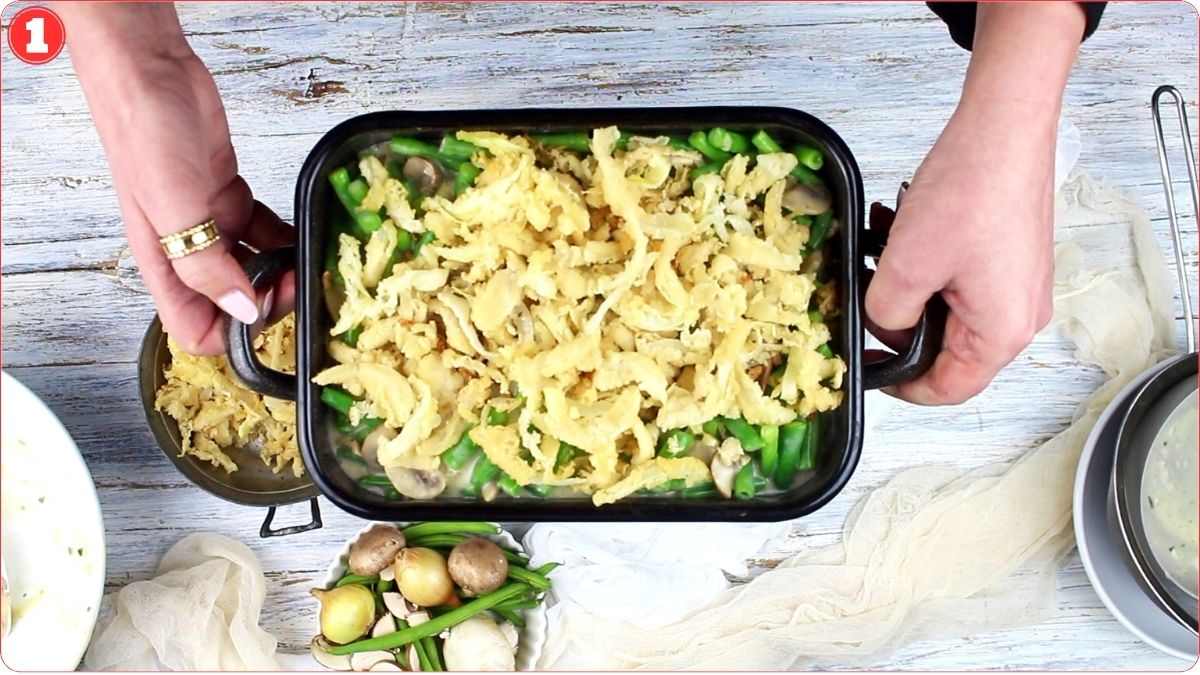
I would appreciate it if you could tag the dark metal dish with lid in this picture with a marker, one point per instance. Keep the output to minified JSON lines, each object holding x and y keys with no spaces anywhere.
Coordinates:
{"x":315,"y":202}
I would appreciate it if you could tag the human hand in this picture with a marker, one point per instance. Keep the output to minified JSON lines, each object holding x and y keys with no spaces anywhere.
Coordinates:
{"x":173,"y":166}
{"x":977,"y":223}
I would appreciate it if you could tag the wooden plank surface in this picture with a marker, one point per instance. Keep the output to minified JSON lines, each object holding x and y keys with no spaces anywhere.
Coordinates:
{"x":885,"y":76}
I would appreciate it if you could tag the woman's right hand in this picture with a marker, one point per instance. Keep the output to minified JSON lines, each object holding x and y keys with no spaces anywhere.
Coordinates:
{"x":164,"y":131}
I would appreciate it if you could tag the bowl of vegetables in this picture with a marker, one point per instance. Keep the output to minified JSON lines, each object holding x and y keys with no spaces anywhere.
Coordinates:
{"x":433,"y":596}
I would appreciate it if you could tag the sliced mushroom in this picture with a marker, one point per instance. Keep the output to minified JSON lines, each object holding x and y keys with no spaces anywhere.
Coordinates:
{"x":423,"y":173}
{"x":384,"y":626}
{"x":705,"y":448}
{"x":414,"y":661}
{"x":320,"y":653}
{"x":363,"y":661}
{"x":416,"y":484}
{"x":370,"y":445}
{"x":375,"y":550}
{"x":723,"y":473}
{"x":418,"y":618}
{"x":396,"y":605}
{"x":386,"y":665}
{"x":489,"y":492}
{"x":807,"y":200}
{"x":387,"y":574}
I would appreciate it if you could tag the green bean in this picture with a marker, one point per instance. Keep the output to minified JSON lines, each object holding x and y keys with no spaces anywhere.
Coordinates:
{"x":819,"y":230}
{"x":777,"y":374}
{"x":538,"y":490}
{"x":570,"y":140}
{"x":375,"y":480}
{"x":825,"y":350}
{"x":384,"y":585}
{"x":745,"y":432}
{"x":705,"y":169}
{"x":522,"y":575}
{"x":713,"y":426}
{"x":509,"y":484}
{"x":410,"y":147}
{"x":815,"y":316}
{"x":676,"y":443}
{"x":679,"y":143}
{"x":485,"y":472}
{"x":806,"y":176}
{"x":809,"y":156}
{"x":431,"y":653}
{"x":413,"y":193}
{"x":424,"y":239}
{"x":453,"y":148}
{"x":461,"y":453}
{"x":331,"y":256}
{"x":337,"y":398}
{"x":548,"y":568}
{"x":699,"y":491}
{"x":392,"y":493}
{"x":769,"y":457}
{"x":496,"y":417}
{"x":673,"y":485}
{"x":623,"y":140}
{"x":366,"y":222}
{"x":791,"y":445}
{"x":452,"y":540}
{"x":357,"y":189}
{"x":433,"y":626}
{"x":422,"y":657}
{"x":347,"y":454}
{"x":364,"y":428}
{"x":342,"y":424}
{"x":340,"y":180}
{"x":467,"y":173}
{"x":699,"y":141}
{"x":517,"y":605}
{"x":360,"y":579}
{"x":764,"y":143}
{"x":510,"y":616}
{"x":449,"y":527}
{"x":744,"y":485}
{"x":801,"y":219}
{"x":350,"y":337}
{"x":566,"y":454}
{"x":729,"y":141}
{"x":812,"y":443}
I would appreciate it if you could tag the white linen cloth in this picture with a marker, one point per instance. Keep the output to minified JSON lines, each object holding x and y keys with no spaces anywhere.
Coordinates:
{"x":933,"y":551}
{"x":200,"y":613}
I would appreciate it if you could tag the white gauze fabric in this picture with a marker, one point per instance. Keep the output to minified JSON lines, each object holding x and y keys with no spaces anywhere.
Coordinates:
{"x":200,"y":613}
{"x":932,"y":552}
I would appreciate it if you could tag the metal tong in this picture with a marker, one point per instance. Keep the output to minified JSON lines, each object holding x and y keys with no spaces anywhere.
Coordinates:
{"x":1168,"y":189}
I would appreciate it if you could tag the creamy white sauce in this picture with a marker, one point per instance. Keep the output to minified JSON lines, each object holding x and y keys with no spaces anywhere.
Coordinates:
{"x":1170,"y":482}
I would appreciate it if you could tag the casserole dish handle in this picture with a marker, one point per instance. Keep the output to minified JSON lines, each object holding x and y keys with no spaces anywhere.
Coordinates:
{"x":264,"y":269}
{"x":926,"y":338}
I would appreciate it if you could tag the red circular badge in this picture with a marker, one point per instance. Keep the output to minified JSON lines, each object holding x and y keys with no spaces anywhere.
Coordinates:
{"x":36,"y":35}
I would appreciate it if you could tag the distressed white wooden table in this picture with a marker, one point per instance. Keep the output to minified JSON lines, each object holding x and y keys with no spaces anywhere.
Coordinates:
{"x":885,"y":76}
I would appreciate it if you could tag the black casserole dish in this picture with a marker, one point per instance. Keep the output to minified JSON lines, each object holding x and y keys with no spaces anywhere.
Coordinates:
{"x":314,"y":210}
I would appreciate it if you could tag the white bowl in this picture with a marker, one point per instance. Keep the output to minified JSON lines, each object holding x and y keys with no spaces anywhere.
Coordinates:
{"x":530,"y":639}
{"x":53,"y":536}
{"x":1101,"y":548}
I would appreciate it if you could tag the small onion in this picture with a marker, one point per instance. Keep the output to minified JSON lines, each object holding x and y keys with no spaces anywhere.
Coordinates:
{"x":422,"y":577}
{"x":346,"y":613}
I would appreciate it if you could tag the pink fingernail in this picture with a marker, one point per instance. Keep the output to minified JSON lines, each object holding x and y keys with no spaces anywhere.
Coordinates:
{"x":238,"y":305}
{"x":267,"y":303}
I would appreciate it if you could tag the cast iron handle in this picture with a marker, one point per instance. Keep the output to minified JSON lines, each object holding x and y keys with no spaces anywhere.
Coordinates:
{"x":927,"y":334}
{"x":264,"y":269}
{"x":314,"y":524}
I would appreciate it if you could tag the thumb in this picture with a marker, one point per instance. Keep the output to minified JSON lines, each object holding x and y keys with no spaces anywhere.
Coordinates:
{"x":906,"y":277}
{"x":216,"y":274}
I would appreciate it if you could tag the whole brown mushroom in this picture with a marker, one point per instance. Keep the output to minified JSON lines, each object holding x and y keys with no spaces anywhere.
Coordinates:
{"x":423,"y":173}
{"x":375,"y":549}
{"x":478,"y":566}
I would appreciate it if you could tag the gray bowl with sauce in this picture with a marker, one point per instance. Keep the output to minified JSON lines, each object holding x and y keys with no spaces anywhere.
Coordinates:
{"x":1153,"y":493}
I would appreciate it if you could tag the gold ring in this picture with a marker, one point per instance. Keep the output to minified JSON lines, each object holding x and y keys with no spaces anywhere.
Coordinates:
{"x":192,"y":240}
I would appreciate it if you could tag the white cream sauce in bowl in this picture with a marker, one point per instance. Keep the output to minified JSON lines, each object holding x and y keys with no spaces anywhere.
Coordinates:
{"x":1170,"y":487}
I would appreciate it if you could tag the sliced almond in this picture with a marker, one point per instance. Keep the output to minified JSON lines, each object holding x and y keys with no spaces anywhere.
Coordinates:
{"x":387,"y":574}
{"x":386,"y":665}
{"x":414,"y":661}
{"x":510,"y":634}
{"x":363,"y":661}
{"x":396,"y":605}
{"x":319,"y":649}
{"x":417,"y":618}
